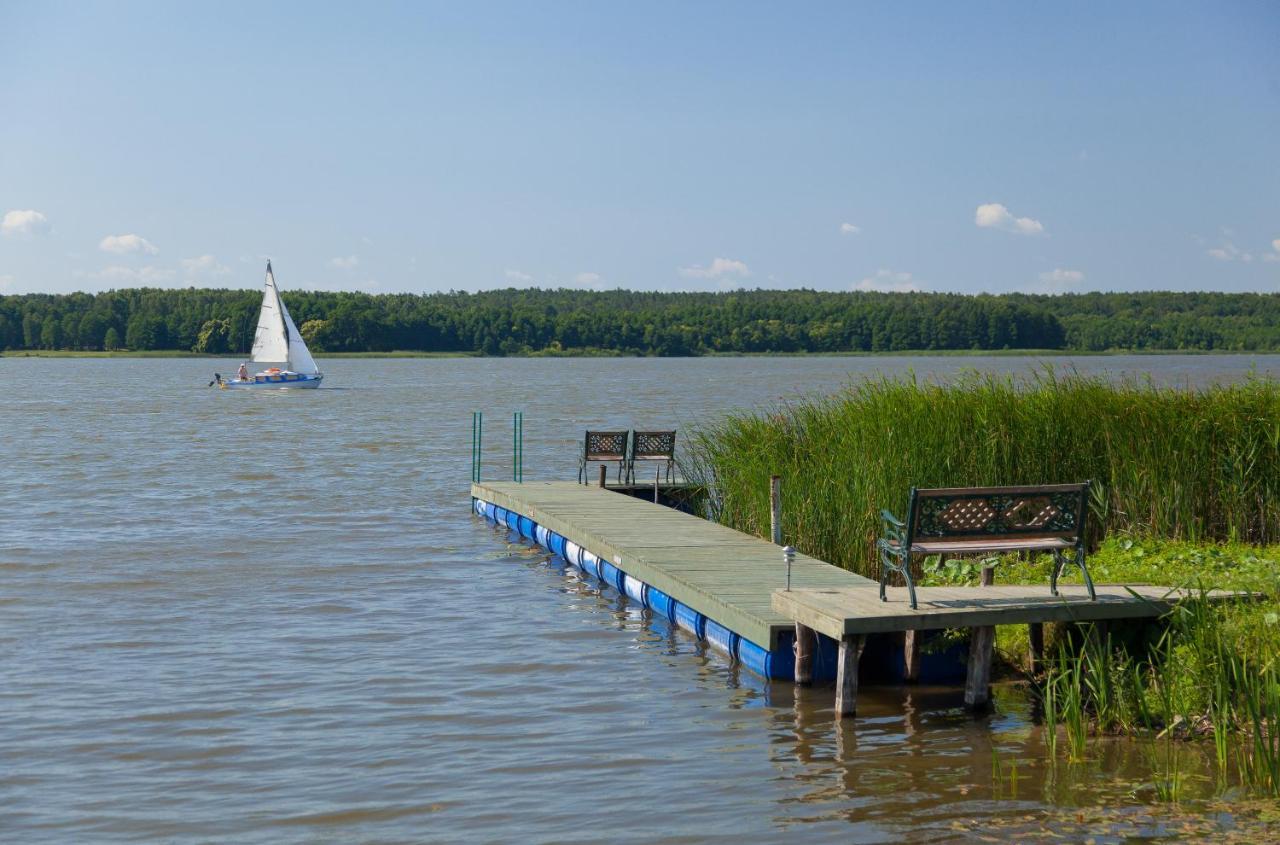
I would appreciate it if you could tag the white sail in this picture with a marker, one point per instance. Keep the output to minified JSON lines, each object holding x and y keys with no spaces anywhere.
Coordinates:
{"x":271,"y":341}
{"x":300,"y":360}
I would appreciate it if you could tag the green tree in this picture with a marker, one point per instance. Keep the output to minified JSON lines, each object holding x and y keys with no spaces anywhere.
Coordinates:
{"x":111,"y":341}
{"x":145,"y":331}
{"x":214,"y":337}
{"x":51,"y":334}
{"x":314,"y":333}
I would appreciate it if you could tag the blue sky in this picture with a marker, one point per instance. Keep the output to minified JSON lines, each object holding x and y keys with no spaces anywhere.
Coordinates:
{"x":668,"y":146}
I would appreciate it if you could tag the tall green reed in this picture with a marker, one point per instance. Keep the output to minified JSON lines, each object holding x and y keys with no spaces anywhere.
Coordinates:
{"x":1170,"y":462}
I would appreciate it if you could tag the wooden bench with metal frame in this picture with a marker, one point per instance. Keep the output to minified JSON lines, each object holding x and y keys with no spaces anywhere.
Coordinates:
{"x":605,"y":446}
{"x":652,"y":446}
{"x":963,"y":520}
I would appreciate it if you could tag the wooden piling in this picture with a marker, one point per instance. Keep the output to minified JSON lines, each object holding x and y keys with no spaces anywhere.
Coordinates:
{"x":847,"y":675}
{"x":1035,"y":633}
{"x":657,"y":479}
{"x":603,"y":470}
{"x":806,"y":640}
{"x":977,"y":683}
{"x":911,"y":655}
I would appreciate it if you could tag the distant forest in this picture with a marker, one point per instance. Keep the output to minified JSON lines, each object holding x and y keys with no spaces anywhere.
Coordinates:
{"x":521,"y":321}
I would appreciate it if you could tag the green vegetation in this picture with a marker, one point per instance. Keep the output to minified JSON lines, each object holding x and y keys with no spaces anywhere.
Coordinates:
{"x":1212,"y":671}
{"x":511,"y":322}
{"x":1166,"y":462}
{"x":1187,"y":490}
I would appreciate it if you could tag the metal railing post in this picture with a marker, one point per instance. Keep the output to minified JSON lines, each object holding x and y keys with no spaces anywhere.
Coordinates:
{"x":477,"y":438}
{"x":517,"y":447}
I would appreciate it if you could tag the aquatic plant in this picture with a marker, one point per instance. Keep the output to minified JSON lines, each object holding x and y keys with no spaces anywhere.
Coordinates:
{"x":1176,"y":463}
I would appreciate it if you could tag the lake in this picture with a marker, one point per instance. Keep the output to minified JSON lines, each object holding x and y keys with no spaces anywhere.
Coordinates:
{"x":272,"y":617}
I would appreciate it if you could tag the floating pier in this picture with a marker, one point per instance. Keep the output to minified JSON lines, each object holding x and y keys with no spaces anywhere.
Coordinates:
{"x":712,"y":581}
{"x":725,"y":587}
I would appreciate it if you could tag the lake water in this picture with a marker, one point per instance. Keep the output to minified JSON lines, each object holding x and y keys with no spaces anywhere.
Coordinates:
{"x":271,"y":617}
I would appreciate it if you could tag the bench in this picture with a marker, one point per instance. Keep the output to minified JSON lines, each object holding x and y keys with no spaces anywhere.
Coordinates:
{"x":605,"y":446}
{"x":652,"y":446}
{"x":963,"y":520}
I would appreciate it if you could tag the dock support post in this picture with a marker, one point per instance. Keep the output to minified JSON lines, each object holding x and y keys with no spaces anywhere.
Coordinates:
{"x":657,"y":479}
{"x":847,"y":675}
{"x":806,"y":640}
{"x":602,"y":472}
{"x":911,"y":656}
{"x":775,"y":509}
{"x":1035,"y":632}
{"x":977,"y":684}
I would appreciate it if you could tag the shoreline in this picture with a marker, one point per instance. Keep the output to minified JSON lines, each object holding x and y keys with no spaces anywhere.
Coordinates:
{"x":904,"y":353}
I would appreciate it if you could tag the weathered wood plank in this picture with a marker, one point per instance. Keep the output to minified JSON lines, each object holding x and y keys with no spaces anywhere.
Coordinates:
{"x":721,"y":573}
{"x":838,"y":612}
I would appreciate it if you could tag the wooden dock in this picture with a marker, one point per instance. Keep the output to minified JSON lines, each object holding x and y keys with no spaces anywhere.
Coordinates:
{"x":725,"y":575}
{"x":727,"y":587}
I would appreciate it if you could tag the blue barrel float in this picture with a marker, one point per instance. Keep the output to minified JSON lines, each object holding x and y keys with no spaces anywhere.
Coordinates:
{"x":777,"y":664}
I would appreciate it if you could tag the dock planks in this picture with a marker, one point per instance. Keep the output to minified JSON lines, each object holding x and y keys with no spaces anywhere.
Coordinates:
{"x":840,"y":612}
{"x":721,"y":573}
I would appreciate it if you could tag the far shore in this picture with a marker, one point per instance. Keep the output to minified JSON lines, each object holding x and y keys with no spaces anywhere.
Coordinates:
{"x":608,"y":353}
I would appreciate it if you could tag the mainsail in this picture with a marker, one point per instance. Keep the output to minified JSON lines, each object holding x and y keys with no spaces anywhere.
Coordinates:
{"x":277,"y":340}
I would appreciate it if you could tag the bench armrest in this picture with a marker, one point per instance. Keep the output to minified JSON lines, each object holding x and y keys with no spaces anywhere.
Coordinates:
{"x":890,"y":519}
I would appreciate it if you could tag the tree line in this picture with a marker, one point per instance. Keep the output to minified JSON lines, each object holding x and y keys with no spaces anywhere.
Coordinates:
{"x":522,"y":321}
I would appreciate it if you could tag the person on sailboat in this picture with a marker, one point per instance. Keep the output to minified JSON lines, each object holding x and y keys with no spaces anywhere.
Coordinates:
{"x":243,"y":372}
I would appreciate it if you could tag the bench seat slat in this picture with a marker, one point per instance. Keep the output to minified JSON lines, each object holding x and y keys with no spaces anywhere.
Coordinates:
{"x":933,"y":547}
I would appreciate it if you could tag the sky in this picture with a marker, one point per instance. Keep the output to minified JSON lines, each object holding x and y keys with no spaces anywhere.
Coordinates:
{"x":423,"y":147}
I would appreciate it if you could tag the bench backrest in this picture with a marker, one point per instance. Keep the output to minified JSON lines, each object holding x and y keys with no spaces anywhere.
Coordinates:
{"x":605,"y":446}
{"x":973,"y":513}
{"x":653,"y":445}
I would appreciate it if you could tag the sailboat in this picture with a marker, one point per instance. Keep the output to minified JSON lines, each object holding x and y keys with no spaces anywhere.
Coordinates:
{"x":277,"y":344}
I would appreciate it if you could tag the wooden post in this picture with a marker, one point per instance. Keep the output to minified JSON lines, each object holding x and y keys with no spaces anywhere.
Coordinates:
{"x":602,"y":472}
{"x":1036,"y":634}
{"x":847,"y":675}
{"x":977,"y":683}
{"x":775,"y":509}
{"x":911,"y":656}
{"x":804,"y":646}
{"x":657,"y":476}
{"x":988,"y":576}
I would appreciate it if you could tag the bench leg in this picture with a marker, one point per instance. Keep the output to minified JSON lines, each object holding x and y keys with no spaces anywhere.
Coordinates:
{"x":1084,"y":570}
{"x":977,"y":684}
{"x":847,"y":675}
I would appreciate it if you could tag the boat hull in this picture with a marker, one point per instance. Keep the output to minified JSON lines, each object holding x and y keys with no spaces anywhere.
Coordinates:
{"x":284,"y":381}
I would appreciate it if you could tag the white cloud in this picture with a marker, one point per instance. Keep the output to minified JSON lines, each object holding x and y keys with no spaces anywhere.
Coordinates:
{"x":888,"y":281}
{"x":126,"y":244}
{"x":1057,"y":280}
{"x":116,"y":274}
{"x":993,"y":215}
{"x":24,"y":223}
{"x":6,"y":282}
{"x":719,"y":267}
{"x":1228,"y":251}
{"x":345,"y":263}
{"x":850,"y":229}
{"x":517,"y":276}
{"x":1274,"y":255}
{"x":587,"y":279}
{"x":203,"y":266}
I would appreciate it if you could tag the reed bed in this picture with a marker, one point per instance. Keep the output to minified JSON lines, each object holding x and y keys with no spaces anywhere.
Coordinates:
{"x":1193,"y":464}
